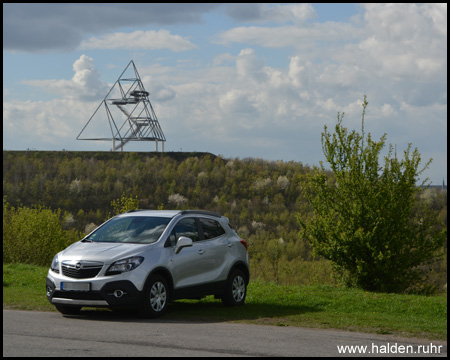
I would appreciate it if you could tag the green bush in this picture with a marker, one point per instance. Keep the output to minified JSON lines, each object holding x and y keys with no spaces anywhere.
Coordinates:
{"x":34,"y":235}
{"x":367,"y":220}
{"x":124,"y":204}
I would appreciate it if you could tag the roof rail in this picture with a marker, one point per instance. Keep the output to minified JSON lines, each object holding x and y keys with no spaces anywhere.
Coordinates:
{"x":134,"y":210}
{"x":201,"y":212}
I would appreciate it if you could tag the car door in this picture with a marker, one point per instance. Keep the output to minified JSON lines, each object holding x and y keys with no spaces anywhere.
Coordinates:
{"x":187,"y":267}
{"x":216,"y":247}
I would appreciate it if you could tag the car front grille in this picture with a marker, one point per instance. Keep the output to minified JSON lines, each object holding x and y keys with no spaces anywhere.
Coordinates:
{"x":81,"y":269}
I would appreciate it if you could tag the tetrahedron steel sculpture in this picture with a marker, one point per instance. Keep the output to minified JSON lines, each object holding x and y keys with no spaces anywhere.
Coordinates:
{"x":128,"y":100}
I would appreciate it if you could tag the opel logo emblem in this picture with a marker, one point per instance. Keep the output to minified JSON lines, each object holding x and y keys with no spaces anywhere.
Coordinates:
{"x":78,"y":266}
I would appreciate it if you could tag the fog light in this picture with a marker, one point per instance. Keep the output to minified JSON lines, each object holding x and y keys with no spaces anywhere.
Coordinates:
{"x":118,"y":293}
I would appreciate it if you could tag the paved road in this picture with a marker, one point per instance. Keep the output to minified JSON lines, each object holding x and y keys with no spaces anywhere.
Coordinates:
{"x":31,"y":333}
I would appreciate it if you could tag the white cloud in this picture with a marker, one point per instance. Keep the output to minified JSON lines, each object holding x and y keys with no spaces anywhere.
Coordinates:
{"x":437,"y":13}
{"x":87,"y":77}
{"x":85,"y":84}
{"x":163,"y":93}
{"x":299,"y":37}
{"x":405,"y":40}
{"x":396,"y":40}
{"x":139,"y":40}
{"x":387,"y":110}
{"x":249,"y":66}
{"x":237,"y":103}
{"x":223,"y":58}
{"x":55,"y":122}
{"x":298,"y":73}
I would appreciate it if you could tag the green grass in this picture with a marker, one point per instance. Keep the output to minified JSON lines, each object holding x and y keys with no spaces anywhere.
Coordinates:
{"x":24,"y":287}
{"x":267,"y":303}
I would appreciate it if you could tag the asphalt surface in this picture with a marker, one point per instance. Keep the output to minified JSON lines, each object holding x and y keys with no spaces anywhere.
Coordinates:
{"x":31,"y":333}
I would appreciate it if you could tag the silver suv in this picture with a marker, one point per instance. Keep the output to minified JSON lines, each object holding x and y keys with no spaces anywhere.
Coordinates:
{"x":147,"y":258}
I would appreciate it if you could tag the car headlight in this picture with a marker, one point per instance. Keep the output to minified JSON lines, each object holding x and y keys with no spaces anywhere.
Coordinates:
{"x":55,"y":264}
{"x":125,"y":265}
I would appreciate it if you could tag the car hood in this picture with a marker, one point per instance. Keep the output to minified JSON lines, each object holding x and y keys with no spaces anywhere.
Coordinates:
{"x":100,"y":251}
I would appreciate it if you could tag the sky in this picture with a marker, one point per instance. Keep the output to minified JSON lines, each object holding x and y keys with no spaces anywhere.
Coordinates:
{"x":237,"y":80}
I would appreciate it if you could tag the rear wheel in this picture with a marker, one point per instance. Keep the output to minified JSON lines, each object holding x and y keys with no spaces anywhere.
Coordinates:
{"x":236,"y":289}
{"x":156,"y":297}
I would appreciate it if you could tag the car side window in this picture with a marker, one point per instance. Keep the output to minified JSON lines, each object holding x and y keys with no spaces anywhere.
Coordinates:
{"x":211,"y":228}
{"x":185,"y":227}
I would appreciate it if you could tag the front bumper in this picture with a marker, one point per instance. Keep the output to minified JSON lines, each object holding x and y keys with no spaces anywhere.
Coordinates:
{"x":114,"y":293}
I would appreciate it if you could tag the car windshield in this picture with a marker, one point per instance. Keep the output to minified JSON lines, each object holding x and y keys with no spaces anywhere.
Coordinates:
{"x":130,"y":229}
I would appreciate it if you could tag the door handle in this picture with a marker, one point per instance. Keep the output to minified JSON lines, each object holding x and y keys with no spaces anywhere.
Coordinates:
{"x":230,"y":244}
{"x":201,"y":252}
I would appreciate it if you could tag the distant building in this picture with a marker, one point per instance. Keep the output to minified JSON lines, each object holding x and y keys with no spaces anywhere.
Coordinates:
{"x":440,"y":187}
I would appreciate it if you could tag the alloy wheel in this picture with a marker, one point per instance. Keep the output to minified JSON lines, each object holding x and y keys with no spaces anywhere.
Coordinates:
{"x":238,"y":288}
{"x":158,"y":296}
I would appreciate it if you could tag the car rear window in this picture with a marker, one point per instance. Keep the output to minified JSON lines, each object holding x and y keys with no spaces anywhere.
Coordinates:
{"x":211,"y":228}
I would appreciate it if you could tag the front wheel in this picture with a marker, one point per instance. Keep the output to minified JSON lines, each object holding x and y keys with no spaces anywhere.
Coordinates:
{"x":236,"y":289}
{"x":156,"y":297}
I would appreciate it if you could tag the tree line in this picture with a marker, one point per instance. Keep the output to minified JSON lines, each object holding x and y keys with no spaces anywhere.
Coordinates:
{"x":263,"y":199}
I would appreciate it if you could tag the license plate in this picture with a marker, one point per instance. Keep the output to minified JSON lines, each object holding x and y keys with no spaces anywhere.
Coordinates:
{"x":70,"y":286}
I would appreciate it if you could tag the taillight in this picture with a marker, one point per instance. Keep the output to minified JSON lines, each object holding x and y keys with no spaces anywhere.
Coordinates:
{"x":245,"y":244}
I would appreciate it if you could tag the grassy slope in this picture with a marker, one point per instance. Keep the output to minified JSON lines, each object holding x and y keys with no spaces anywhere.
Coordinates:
{"x":306,"y":306}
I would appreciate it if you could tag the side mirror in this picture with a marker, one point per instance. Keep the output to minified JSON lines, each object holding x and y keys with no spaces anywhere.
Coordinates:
{"x":182,"y":242}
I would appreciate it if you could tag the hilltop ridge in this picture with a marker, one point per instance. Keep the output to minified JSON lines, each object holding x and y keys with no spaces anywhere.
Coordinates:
{"x":106,"y":155}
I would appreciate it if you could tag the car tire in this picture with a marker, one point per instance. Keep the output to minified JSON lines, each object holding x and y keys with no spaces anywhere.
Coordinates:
{"x":68,"y":310}
{"x":156,"y":297}
{"x":236,"y":289}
